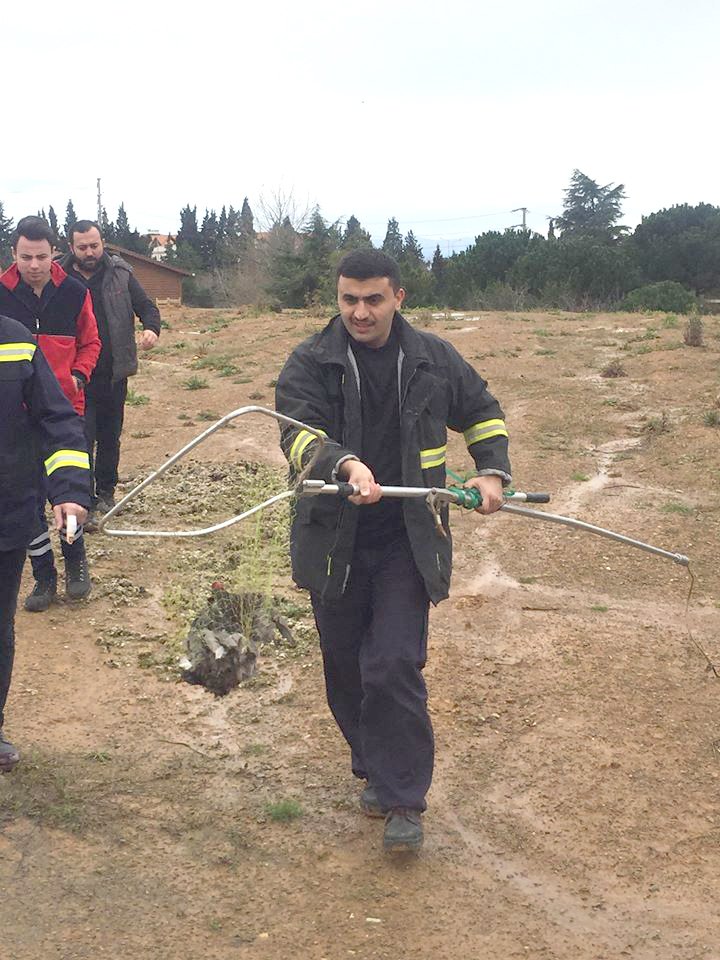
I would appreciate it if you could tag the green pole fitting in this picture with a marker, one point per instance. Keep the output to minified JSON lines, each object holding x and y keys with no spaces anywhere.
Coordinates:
{"x":467,"y":497}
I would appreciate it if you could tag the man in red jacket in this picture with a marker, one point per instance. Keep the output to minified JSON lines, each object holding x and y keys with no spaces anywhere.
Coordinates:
{"x":57,"y":310}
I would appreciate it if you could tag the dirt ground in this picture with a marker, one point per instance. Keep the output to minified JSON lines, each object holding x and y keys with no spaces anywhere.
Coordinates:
{"x":575,"y":810}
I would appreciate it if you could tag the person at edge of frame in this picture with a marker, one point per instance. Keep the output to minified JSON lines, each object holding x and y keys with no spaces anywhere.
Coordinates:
{"x":117,"y":298}
{"x":57,"y":310}
{"x":383,"y":393}
{"x":36,"y":414}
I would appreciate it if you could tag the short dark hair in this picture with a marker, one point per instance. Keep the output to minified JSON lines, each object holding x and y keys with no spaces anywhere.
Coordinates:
{"x":82,"y":226}
{"x":32,"y":228}
{"x":366,"y":264}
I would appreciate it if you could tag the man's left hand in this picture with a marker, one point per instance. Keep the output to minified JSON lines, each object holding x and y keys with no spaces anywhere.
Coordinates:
{"x":148,"y":339}
{"x":491,"y":491}
{"x":61,"y":511}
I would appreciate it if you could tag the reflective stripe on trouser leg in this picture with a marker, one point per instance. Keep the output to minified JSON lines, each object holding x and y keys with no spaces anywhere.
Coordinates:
{"x":41,"y":557}
{"x":40,"y":545}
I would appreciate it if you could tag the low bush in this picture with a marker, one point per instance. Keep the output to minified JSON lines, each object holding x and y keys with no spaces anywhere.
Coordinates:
{"x":668,"y":296}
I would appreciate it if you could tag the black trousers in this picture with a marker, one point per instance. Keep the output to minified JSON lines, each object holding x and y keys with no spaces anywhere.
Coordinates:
{"x":11,"y":564}
{"x":374,"y":646}
{"x":104,"y":415}
{"x":40,"y":548}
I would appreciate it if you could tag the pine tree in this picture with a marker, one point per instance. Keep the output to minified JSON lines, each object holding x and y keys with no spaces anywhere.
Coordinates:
{"x":70,"y":221}
{"x":355,"y":237}
{"x":590,"y":210}
{"x":187,"y":241}
{"x":107,"y":227}
{"x":209,"y":240}
{"x":246,"y":237}
{"x":70,"y":217}
{"x":122,"y":227}
{"x":53,"y":221}
{"x":393,"y":242}
{"x":6,"y":229}
{"x":438,"y":271}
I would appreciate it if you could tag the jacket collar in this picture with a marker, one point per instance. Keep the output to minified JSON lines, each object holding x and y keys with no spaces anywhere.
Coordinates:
{"x":67,"y":261}
{"x":331,"y":345}
{"x":11,"y":277}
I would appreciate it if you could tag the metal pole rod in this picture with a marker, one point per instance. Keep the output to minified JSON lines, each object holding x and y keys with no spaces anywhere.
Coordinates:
{"x":600,"y":531}
{"x":241,"y":411}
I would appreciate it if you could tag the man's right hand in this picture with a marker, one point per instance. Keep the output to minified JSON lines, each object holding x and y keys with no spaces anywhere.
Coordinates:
{"x":353,"y":471}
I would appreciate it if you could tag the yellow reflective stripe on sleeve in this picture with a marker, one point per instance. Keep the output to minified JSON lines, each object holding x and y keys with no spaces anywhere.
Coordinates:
{"x":67,"y":458}
{"x":299,"y":445}
{"x":485,"y":430}
{"x":16,"y":351}
{"x":434,"y":457}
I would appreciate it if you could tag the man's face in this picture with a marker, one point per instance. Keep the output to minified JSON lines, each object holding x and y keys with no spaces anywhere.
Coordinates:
{"x":87,"y":249}
{"x":367,"y":308}
{"x":33,"y":259}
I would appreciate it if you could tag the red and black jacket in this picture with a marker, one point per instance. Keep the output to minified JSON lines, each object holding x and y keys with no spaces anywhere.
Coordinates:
{"x":34,"y":410}
{"x":63,"y":322}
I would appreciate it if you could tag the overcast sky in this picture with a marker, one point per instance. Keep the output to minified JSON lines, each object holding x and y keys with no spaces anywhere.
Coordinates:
{"x":445,"y":114}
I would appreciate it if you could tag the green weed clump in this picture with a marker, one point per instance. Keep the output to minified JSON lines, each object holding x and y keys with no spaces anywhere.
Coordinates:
{"x":711,"y":418}
{"x":136,"y":399}
{"x":674,"y":506}
{"x":283,"y":811}
{"x":195,"y":383}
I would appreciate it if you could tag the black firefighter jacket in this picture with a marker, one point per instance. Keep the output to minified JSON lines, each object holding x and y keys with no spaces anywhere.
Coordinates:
{"x":319,"y":386}
{"x":34,"y":412}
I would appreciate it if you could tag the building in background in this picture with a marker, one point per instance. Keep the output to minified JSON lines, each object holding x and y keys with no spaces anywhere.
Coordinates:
{"x":159,"y":280}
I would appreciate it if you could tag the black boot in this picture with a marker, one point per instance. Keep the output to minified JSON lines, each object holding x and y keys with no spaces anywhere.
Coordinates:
{"x":403,"y":830}
{"x":77,"y":574}
{"x":43,"y":594}
{"x":42,"y":562}
{"x":9,"y":754}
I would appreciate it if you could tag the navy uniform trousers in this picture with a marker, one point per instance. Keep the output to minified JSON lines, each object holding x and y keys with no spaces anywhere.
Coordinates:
{"x":374,"y":646}
{"x":11,"y":564}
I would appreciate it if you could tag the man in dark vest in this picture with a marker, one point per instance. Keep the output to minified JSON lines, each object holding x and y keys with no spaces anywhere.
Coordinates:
{"x":117,"y":298}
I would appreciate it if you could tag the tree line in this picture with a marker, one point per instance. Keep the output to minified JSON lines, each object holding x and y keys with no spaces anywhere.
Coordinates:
{"x":588,"y":260}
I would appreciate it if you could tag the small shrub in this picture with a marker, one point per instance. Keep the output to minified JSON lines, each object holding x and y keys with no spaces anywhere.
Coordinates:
{"x":580,"y":477}
{"x":670,"y":321}
{"x":136,"y":399}
{"x":613,"y":369}
{"x":599,"y":608}
{"x":693,"y":334}
{"x":659,"y":424}
{"x":668,"y":296}
{"x":674,"y":506}
{"x":195,"y":383}
{"x":711,"y":418}
{"x":207,"y":415}
{"x":283,"y":811}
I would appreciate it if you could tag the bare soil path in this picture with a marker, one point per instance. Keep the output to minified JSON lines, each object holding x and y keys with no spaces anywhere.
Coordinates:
{"x":575,"y":812}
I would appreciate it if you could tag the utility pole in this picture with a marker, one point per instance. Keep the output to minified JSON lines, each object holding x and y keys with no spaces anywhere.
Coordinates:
{"x":99,"y":201}
{"x":524,"y":222}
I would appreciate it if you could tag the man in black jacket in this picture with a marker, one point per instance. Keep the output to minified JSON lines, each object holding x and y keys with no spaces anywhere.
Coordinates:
{"x":117,"y":298}
{"x":384,"y":395}
{"x":34,"y":407}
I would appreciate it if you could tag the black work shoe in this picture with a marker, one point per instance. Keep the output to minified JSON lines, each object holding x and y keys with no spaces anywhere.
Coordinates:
{"x":369,"y":803}
{"x":77,"y":577}
{"x":403,"y":830}
{"x":43,"y":594}
{"x":105,"y":503}
{"x":9,"y":754}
